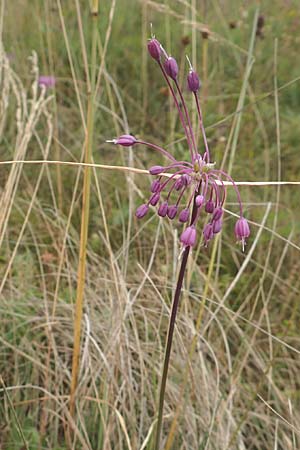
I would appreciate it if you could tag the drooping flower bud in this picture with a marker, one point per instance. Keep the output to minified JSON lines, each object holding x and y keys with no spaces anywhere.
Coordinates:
{"x":126,"y":140}
{"x":141,"y":211}
{"x":242,"y":230}
{"x":199,"y":200}
{"x":188,"y":237}
{"x":209,"y":206}
{"x":217,"y":214}
{"x":193,"y":81}
{"x":208,"y":232}
{"x":217,"y":226}
{"x":171,"y":67}
{"x":155,"y":186}
{"x":184,"y":215}
{"x":163,"y":209}
{"x":178,"y":184}
{"x":156,"y":170}
{"x":154,"y":199}
{"x":186,"y":179}
{"x":172,"y":211}
{"x":154,"y":49}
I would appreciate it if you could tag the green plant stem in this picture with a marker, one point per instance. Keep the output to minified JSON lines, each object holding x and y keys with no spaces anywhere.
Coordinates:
{"x":85,"y":212}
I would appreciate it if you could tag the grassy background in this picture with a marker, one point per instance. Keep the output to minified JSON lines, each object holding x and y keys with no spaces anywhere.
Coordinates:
{"x":242,"y":386}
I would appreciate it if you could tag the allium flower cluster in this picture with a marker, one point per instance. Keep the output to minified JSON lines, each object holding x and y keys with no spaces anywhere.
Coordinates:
{"x":187,"y":190}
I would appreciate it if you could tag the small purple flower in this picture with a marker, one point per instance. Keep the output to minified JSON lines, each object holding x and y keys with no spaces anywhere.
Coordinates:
{"x":163,"y":209}
{"x":142,"y":211}
{"x":188,"y":237}
{"x":193,"y":81}
{"x":199,"y":200}
{"x":217,"y":214}
{"x":154,"y":199}
{"x":172,"y":211}
{"x":184,"y":215}
{"x":178,"y":184}
{"x":242,"y":230}
{"x":217,"y":226}
{"x":126,"y":140}
{"x":155,"y":186}
{"x":171,"y":67}
{"x":46,"y":80}
{"x":209,"y":206}
{"x":154,"y":49}
{"x":156,"y":170}
{"x":208,"y":232}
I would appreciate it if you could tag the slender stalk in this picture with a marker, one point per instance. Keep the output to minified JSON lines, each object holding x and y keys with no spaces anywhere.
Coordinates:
{"x":188,"y":138}
{"x":202,"y":128}
{"x":170,"y":336}
{"x":169,"y":345}
{"x":85,"y":212}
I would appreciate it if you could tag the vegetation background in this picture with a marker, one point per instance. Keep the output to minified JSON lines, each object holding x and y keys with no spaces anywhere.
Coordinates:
{"x":240,"y":388}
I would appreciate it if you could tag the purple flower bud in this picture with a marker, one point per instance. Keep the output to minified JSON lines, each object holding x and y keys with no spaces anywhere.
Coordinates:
{"x":242,"y":230}
{"x":172,"y":211}
{"x":184,"y":215}
{"x":217,"y":226}
{"x":46,"y":80}
{"x":126,"y":140}
{"x":188,"y":237}
{"x":141,"y":211}
{"x":186,"y":179}
{"x":155,"y":186}
{"x":178,"y":183}
{"x":156,"y":170}
{"x":193,"y":81}
{"x":154,"y":49}
{"x":209,"y":206}
{"x":154,"y":199}
{"x":163,"y":209}
{"x":171,"y":67}
{"x":208,"y":232}
{"x":217,"y":214}
{"x":199,"y":200}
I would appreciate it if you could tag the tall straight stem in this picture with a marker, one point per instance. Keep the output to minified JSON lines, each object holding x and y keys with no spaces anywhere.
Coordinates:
{"x":169,"y":345}
{"x":170,"y":334}
{"x":85,"y":212}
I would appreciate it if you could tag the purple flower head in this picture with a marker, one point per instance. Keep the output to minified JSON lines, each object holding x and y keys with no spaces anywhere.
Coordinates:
{"x":209,"y":206}
{"x":217,"y":226}
{"x":194,"y":186}
{"x":154,"y":199}
{"x":208,"y":232}
{"x":171,"y":67}
{"x":172,"y":211}
{"x":199,"y":200}
{"x":155,"y":186}
{"x":163,"y":209}
{"x":154,"y":49}
{"x":126,"y":140}
{"x":184,"y":215}
{"x":188,"y":237}
{"x":46,"y":80}
{"x":242,"y":230}
{"x":141,"y":211}
{"x":193,"y":81}
{"x":217,"y":214}
{"x":156,"y":170}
